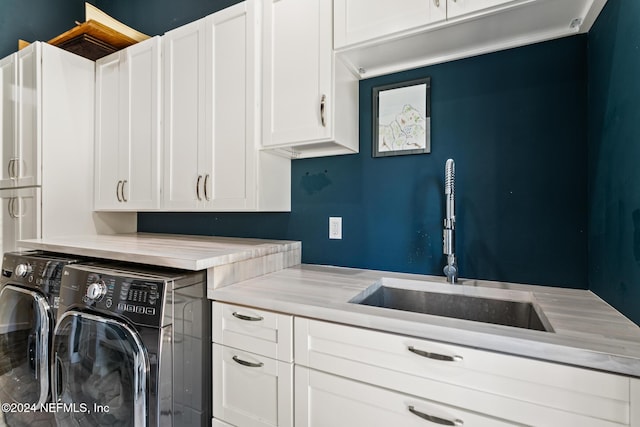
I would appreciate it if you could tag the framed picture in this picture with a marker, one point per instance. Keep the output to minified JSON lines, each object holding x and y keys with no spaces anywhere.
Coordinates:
{"x":402,"y":118}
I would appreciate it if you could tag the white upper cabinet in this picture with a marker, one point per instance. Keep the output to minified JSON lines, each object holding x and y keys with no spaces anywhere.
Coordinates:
{"x":20,"y":75}
{"x":310,"y":100}
{"x":457,"y":8}
{"x":356,"y":21}
{"x":184,"y":61}
{"x":386,"y":36}
{"x":8,"y":123}
{"x":127,"y":136}
{"x":211,"y":112}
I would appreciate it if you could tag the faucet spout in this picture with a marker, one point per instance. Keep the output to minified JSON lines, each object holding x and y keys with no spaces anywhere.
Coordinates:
{"x":448,"y":241}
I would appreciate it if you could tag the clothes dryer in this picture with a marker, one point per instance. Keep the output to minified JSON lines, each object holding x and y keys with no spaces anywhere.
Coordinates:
{"x":29,"y":293}
{"x":132,"y":347}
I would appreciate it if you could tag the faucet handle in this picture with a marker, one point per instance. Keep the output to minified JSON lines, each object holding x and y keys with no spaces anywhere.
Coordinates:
{"x":451,"y":269}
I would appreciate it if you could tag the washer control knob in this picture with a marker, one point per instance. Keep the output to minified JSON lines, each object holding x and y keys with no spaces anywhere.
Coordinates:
{"x":23,"y":269}
{"x":96,"y":291}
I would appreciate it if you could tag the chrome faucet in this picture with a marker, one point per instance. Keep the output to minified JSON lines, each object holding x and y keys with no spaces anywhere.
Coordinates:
{"x":448,"y":241}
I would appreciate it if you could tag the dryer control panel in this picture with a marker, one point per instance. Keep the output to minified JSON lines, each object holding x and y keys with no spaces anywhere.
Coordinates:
{"x":134,"y":297}
{"x":38,"y":271}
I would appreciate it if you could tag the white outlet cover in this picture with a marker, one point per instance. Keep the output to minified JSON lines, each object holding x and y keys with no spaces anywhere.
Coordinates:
{"x":335,"y":227}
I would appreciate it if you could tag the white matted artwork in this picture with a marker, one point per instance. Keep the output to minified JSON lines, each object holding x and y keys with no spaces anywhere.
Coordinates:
{"x":402,"y":118}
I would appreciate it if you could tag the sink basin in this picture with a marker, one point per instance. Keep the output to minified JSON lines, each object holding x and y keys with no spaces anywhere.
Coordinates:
{"x":499,"y":311}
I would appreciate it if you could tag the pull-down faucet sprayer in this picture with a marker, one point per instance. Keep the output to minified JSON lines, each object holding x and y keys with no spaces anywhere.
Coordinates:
{"x":448,"y":246}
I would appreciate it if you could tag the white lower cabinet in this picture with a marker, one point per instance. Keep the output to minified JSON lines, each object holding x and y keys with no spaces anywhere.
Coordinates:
{"x":635,"y":402}
{"x":252,"y":367}
{"x":273,"y":369}
{"x":490,"y":385}
{"x":217,"y":423}
{"x":325,"y":400}
{"x":251,"y":390}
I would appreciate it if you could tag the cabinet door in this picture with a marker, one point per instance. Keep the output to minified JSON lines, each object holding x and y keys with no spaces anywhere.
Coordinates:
{"x":358,"y":21}
{"x":184,"y":68}
{"x":457,"y":8}
{"x":228,"y":149}
{"x":140,"y":157}
{"x":251,"y":390}
{"x":297,"y":71}
{"x":20,"y":216}
{"x":29,"y":91}
{"x":107,"y":180}
{"x":324,"y":400}
{"x":8,"y":117}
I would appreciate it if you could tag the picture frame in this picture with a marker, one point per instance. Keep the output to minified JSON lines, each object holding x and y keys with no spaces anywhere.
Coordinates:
{"x":402,"y":118}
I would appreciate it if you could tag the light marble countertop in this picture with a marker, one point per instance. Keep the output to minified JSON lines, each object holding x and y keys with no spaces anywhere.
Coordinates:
{"x":587,"y":332}
{"x":166,"y":250}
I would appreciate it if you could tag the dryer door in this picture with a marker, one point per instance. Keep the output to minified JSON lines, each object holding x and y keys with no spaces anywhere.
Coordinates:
{"x":24,"y":346}
{"x":101,"y":372}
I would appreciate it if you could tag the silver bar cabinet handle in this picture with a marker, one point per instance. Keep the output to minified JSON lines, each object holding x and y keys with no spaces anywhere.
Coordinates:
{"x":16,"y":212}
{"x":118,"y":191}
{"x":323,"y":119}
{"x":245,"y":363}
{"x":10,"y":208}
{"x":434,"y":419}
{"x":124,"y":199}
{"x":437,"y":3}
{"x":435,"y":356}
{"x":248,"y":318}
{"x":204,"y":186}
{"x":9,"y":169}
{"x":198,"y":187}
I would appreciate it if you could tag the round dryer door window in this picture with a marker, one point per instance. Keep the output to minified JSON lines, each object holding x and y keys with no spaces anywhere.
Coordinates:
{"x":100,"y":372}
{"x":24,"y":346}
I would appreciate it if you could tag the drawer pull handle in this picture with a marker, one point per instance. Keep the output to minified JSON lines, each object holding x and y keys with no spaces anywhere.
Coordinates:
{"x":248,"y":318}
{"x":434,"y":419}
{"x":245,"y":363}
{"x":435,"y":356}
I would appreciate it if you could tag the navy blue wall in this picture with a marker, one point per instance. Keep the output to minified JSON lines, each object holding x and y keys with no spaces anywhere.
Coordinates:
{"x":614,"y":153}
{"x":514,"y":121}
{"x":33,"y":20}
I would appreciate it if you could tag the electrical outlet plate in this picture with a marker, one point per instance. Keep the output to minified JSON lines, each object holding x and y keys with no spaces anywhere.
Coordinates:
{"x":335,"y":227}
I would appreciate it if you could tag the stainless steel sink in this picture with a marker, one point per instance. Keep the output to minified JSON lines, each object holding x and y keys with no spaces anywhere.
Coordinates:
{"x":520,"y":314}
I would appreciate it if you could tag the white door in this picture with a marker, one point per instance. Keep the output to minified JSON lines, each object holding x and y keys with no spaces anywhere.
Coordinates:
{"x":29,"y":92}
{"x":228,"y":149}
{"x":20,"y":216}
{"x":250,"y":389}
{"x":297,"y":49}
{"x":8,"y":117}
{"x":139,"y":161}
{"x":107,"y":133}
{"x":184,"y":68}
{"x":358,"y":21}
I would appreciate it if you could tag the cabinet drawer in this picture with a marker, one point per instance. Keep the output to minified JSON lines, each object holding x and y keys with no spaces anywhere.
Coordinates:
{"x":250,"y":390}
{"x":325,"y":400}
{"x":439,"y":371}
{"x":257,"y":331}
